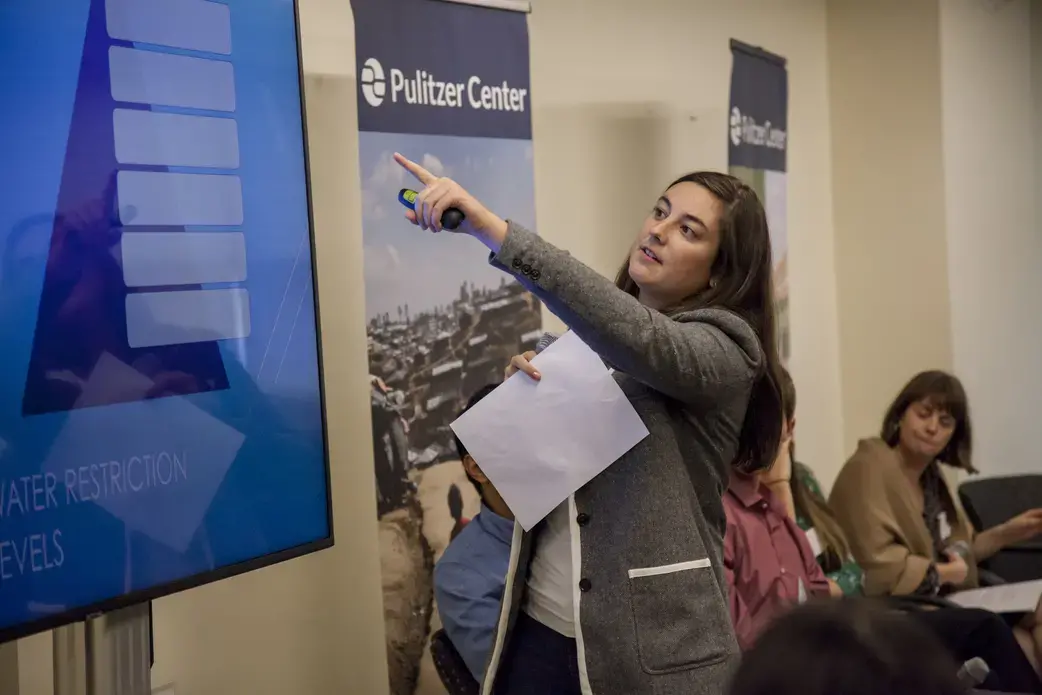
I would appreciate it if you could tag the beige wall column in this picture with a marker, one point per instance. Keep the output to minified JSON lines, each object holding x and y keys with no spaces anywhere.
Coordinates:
{"x":888,"y":201}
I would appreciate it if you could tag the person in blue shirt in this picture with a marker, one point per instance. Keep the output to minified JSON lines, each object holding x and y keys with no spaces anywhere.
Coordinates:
{"x":470,"y":577}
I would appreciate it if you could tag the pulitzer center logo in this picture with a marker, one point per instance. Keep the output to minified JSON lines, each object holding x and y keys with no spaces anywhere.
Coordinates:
{"x":374,"y":83}
{"x":736,"y":126}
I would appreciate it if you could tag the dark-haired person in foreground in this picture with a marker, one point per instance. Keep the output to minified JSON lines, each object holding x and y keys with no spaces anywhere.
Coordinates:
{"x":769,"y":561}
{"x":848,"y":647}
{"x":470,"y":576}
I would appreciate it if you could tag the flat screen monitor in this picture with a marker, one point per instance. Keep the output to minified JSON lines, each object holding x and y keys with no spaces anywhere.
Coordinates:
{"x":161,"y":409}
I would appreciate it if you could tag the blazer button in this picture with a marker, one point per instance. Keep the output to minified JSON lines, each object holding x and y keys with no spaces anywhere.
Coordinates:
{"x":534,"y":274}
{"x":516,"y":263}
{"x":582,"y":519}
{"x":585,"y":585}
{"x":526,"y":269}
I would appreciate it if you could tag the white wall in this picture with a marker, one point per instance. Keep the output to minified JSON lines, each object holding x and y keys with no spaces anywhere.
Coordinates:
{"x":994,"y":239}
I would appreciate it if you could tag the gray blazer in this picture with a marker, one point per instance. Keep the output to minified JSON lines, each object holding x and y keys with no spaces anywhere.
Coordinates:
{"x":653,"y":609}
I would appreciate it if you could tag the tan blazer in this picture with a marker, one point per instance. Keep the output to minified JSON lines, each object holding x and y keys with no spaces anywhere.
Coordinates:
{"x":882,"y":518}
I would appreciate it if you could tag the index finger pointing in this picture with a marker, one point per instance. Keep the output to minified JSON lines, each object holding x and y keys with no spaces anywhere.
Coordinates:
{"x":422,"y":175}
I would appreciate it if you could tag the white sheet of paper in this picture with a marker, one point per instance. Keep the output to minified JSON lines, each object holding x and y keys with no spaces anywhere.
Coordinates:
{"x":1021,"y":597}
{"x":540,"y":441}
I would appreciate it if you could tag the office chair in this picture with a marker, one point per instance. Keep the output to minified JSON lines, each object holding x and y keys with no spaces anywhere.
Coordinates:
{"x":990,"y":502}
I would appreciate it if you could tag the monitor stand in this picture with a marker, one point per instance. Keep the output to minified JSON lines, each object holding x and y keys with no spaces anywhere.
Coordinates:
{"x":109,"y":654}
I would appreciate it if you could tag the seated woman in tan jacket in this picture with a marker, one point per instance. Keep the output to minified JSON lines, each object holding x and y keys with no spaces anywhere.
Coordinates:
{"x":905,"y":525}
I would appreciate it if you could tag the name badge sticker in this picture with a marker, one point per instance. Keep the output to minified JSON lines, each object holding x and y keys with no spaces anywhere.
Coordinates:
{"x":945,"y":527}
{"x":815,"y":542}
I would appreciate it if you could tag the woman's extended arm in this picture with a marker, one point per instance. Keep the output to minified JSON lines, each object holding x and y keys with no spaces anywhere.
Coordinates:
{"x":706,"y":350}
{"x":987,"y":543}
{"x":681,"y":359}
{"x":1020,"y":528}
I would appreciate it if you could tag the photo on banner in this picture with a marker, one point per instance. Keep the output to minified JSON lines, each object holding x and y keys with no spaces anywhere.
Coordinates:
{"x":757,"y":146}
{"x":441,"y":322}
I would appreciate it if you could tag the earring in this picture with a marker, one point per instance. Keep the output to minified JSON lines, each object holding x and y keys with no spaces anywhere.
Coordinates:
{"x":712,"y":283}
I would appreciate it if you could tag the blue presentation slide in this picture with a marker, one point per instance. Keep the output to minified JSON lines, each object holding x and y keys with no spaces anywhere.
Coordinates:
{"x":161,"y":418}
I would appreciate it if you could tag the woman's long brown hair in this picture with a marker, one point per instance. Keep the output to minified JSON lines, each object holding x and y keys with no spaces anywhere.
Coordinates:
{"x":742,"y":284}
{"x":809,"y":505}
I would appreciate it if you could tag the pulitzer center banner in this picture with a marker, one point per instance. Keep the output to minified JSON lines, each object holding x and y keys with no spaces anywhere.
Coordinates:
{"x":758,"y":143}
{"x":446,"y":85}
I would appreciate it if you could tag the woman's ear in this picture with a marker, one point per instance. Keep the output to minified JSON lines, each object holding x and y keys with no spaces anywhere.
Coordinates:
{"x":787,"y":430}
{"x":473,"y":470}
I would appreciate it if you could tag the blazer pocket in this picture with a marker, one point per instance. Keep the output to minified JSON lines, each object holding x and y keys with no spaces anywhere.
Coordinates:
{"x":633,"y":389}
{"x":680,"y":616}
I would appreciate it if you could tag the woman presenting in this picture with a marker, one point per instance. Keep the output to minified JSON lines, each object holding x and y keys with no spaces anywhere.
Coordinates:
{"x":621,"y":589}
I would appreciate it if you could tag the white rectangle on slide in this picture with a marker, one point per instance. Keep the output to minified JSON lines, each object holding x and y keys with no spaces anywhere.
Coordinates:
{"x":159,"y":198}
{"x":188,"y":316}
{"x":175,"y":140}
{"x":148,"y":77}
{"x":158,"y":259}
{"x":196,"y":25}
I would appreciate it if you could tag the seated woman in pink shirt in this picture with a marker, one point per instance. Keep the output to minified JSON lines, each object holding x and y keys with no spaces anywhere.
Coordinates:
{"x":768,"y":560}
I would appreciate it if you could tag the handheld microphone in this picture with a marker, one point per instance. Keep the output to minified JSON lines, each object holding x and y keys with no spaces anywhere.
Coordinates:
{"x":450,"y":219}
{"x":973,"y":672}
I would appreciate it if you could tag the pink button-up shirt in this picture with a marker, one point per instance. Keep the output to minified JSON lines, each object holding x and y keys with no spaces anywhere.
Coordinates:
{"x":766,"y":556}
